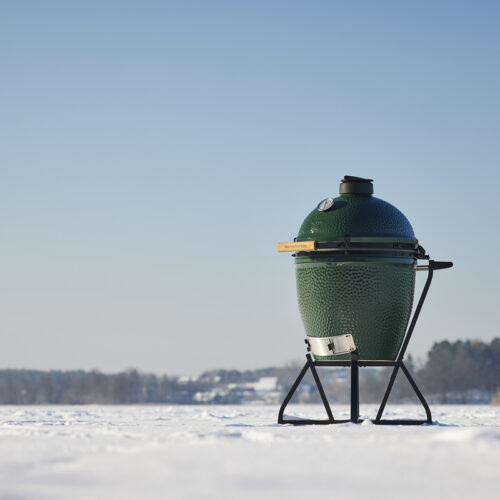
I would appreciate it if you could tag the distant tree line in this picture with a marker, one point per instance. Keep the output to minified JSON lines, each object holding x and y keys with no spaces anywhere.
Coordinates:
{"x":454,"y":372}
{"x":72,"y":387}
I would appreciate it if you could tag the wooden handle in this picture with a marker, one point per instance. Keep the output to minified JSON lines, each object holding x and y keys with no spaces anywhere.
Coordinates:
{"x":294,"y":246}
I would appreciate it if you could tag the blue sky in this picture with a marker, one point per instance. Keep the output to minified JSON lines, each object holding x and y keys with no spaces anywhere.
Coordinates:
{"x":153,"y":153}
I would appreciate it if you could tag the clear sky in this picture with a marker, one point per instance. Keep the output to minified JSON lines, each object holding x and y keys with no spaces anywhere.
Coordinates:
{"x":153,"y":154}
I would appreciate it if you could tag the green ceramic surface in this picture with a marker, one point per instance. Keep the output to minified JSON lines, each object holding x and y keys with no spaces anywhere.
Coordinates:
{"x":369,"y":297}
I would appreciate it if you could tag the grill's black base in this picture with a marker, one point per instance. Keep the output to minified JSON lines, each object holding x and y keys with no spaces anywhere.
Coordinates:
{"x":376,"y":422}
{"x":354,"y":364}
{"x":401,"y":422}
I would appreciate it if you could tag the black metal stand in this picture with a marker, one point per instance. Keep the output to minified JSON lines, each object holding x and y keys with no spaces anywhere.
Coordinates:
{"x":354,"y":363}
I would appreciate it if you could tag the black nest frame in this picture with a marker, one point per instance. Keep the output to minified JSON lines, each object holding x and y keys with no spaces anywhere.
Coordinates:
{"x":354,"y":363}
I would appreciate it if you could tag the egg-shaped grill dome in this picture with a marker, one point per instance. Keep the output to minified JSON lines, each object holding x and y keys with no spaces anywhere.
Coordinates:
{"x":353,"y":213}
{"x":359,"y":276}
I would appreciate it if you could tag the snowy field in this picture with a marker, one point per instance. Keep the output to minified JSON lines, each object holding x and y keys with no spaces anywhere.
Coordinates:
{"x":239,"y":452}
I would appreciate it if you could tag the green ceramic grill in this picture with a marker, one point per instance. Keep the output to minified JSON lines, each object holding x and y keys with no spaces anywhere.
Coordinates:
{"x":355,"y":261}
{"x":358,"y":276}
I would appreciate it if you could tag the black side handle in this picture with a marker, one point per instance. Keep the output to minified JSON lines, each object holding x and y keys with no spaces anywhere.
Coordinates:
{"x":436,"y":265}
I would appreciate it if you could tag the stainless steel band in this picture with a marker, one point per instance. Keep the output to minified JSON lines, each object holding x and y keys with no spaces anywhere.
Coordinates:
{"x":331,"y":346}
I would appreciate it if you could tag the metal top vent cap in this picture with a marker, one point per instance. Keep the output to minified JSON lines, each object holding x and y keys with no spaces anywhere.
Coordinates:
{"x":356,"y":185}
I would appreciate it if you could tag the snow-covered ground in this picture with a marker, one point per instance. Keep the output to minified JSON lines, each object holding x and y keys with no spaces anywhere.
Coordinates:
{"x":239,"y":452}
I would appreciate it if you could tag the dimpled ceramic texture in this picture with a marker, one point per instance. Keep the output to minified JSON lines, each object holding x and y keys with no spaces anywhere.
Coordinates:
{"x":369,"y":297}
{"x":370,"y":300}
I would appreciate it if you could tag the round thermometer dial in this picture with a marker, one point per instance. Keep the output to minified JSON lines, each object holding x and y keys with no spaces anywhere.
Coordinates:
{"x":326,"y":204}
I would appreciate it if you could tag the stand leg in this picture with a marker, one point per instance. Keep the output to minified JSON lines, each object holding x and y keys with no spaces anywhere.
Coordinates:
{"x":387,"y":392}
{"x":418,"y":393}
{"x":293,"y":389}
{"x":354,"y":388}
{"x":421,"y":398}
{"x":330,"y":420}
{"x":321,"y":391}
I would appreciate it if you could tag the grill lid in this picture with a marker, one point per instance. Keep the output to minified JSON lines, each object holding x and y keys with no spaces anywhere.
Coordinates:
{"x":356,"y":213}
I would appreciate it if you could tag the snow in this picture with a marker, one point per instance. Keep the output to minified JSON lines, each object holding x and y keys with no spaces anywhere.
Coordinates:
{"x":239,"y":452}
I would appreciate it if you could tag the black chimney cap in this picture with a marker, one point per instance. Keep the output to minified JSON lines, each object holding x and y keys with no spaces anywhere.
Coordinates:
{"x":356,"y":185}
